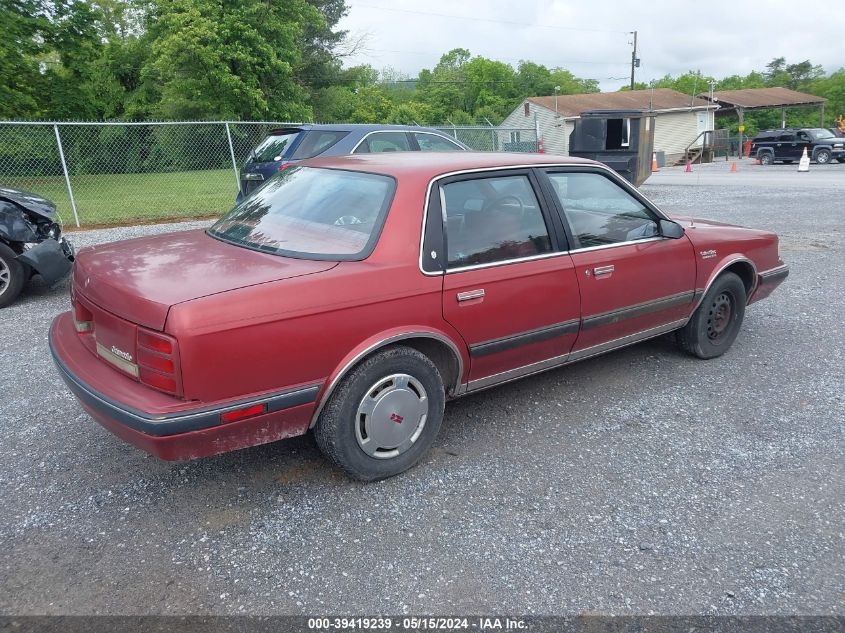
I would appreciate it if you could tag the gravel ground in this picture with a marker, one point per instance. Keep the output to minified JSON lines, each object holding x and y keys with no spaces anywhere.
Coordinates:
{"x":640,"y":482}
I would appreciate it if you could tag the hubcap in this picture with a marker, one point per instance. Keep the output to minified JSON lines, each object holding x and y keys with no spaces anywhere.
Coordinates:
{"x":5,"y":276}
{"x":391,"y":416}
{"x":719,"y":316}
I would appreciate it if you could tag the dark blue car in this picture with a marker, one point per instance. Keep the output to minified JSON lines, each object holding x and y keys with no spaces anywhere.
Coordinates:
{"x":288,"y":145}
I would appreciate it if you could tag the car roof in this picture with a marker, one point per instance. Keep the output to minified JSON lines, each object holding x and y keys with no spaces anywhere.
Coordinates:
{"x":432,"y":164}
{"x":354,"y":127}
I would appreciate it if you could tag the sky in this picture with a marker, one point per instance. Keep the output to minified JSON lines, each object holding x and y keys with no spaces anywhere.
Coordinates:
{"x":593,"y":39}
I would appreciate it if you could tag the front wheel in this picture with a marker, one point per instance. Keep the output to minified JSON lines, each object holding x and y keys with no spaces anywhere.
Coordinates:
{"x":715,"y":324}
{"x":13,"y":275}
{"x":384,"y":415}
{"x":823,"y":157}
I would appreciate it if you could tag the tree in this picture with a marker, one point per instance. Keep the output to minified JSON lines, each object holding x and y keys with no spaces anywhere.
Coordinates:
{"x":21,"y":83}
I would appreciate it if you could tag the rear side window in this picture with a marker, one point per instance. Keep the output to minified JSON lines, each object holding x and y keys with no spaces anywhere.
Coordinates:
{"x":435,"y":143}
{"x":316,"y":142}
{"x":789,"y":137}
{"x":491,"y":220}
{"x":274,"y":146}
{"x":311,"y":213}
{"x":384,"y":142}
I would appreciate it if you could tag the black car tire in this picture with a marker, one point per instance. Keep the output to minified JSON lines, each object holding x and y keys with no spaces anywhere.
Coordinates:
{"x":716,"y":322}
{"x":13,"y":276}
{"x":823,"y":157}
{"x":340,"y":424}
{"x":766,"y":158}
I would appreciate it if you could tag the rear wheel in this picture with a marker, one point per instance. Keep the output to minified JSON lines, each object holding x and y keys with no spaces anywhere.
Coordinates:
{"x":766,"y":158}
{"x":384,"y":415}
{"x":823,"y":157}
{"x":13,"y":276}
{"x":715,"y":324}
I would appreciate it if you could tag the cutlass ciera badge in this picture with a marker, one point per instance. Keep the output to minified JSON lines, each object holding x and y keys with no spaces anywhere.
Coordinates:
{"x":708,"y":254}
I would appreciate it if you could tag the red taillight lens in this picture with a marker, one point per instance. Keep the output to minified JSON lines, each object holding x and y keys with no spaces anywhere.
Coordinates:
{"x":246,"y":412}
{"x":157,"y":342}
{"x":158,"y":361}
{"x":159,"y":381}
{"x":284,"y":166}
{"x":154,"y":361}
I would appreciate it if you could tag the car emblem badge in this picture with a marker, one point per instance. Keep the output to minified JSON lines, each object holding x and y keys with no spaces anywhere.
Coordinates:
{"x":708,"y":254}
{"x":121,"y":354}
{"x":396,"y":418}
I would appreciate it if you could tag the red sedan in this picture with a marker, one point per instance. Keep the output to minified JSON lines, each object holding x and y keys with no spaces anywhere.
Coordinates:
{"x":353,"y":296}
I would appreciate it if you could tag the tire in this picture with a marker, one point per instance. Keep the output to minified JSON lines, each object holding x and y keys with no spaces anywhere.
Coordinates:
{"x":841,"y":160}
{"x":361,"y":427}
{"x":766,"y":158}
{"x":716,"y":322}
{"x":823,"y":157}
{"x":13,"y":276}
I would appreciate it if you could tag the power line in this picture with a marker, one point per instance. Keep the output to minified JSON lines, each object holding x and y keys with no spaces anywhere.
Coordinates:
{"x":478,"y":19}
{"x":388,"y":50}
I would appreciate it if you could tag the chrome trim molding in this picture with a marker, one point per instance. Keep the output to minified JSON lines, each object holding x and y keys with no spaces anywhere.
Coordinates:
{"x":457,"y":387}
{"x":121,"y":363}
{"x":403,"y":131}
{"x":638,"y":309}
{"x":494,"y":346}
{"x":505,"y":262}
{"x":566,"y":359}
{"x":777,"y":272}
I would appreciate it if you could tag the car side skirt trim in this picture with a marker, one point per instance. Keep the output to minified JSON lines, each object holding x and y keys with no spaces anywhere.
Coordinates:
{"x":774,"y":274}
{"x":456,"y":388}
{"x":494,"y":346}
{"x":566,"y":359}
{"x":176,"y":423}
{"x":639,"y":309}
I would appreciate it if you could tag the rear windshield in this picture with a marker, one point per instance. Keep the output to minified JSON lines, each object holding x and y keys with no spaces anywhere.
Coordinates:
{"x":311,"y":213}
{"x":316,"y":142}
{"x":274,"y":146}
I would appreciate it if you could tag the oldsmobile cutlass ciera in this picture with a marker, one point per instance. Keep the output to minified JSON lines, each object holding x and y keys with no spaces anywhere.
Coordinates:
{"x":354,"y":295}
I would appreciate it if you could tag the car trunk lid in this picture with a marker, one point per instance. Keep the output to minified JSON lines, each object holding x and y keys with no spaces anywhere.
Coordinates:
{"x":139,"y":280}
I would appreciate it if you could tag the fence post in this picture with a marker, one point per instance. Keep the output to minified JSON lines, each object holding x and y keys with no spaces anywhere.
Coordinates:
{"x":232,"y":154}
{"x":67,"y":176}
{"x":492,"y":135}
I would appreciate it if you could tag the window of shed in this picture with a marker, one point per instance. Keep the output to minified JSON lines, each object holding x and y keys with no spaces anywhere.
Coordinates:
{"x":618,"y":133}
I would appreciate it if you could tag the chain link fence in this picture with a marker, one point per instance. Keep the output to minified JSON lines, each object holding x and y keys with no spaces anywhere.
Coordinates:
{"x":104,"y":174}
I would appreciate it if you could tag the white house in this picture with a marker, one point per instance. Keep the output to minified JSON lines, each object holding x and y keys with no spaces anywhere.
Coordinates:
{"x":679,"y":118}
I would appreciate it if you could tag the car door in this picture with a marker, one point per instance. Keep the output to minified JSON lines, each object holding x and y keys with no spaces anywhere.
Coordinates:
{"x":787,"y":147}
{"x":631,"y":279}
{"x":509,"y":287}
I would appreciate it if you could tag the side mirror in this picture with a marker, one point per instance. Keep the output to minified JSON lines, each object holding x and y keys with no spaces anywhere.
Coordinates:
{"x":670,"y":229}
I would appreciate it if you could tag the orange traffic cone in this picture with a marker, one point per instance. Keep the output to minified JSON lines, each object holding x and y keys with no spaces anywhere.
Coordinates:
{"x":688,"y":168}
{"x":733,"y":167}
{"x":654,"y":167}
{"x":804,"y":163}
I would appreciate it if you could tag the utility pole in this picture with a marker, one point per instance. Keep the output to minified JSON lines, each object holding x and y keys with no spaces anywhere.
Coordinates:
{"x":635,"y":62}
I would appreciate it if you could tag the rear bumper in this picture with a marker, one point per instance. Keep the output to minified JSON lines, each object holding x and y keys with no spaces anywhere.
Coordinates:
{"x":166,"y":427}
{"x":768,"y":280}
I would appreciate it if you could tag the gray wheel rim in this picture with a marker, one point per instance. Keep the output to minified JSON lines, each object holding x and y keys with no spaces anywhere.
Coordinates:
{"x":5,"y":276}
{"x":822,"y":158}
{"x":391,"y":416}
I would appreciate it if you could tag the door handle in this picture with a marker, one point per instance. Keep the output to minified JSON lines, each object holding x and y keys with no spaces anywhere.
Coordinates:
{"x":471,"y":294}
{"x":603,"y":270}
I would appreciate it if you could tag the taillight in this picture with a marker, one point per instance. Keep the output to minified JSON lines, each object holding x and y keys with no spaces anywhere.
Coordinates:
{"x":83,"y":320}
{"x":158,"y":361}
{"x":285,"y":166}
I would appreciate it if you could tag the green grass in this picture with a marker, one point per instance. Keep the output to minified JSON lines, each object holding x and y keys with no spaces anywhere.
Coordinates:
{"x":115,"y":199}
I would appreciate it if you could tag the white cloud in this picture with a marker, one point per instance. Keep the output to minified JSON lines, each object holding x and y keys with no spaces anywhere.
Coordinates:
{"x":718,"y":37}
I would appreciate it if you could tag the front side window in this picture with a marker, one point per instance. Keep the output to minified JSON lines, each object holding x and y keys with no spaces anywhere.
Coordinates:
{"x":384,"y":142}
{"x":600,"y":212}
{"x":820,"y":133}
{"x":491,"y":220}
{"x":311,"y":213}
{"x":435,"y":143}
{"x":274,"y":146}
